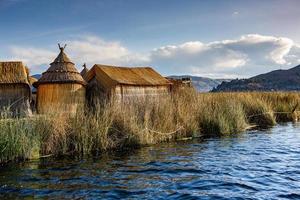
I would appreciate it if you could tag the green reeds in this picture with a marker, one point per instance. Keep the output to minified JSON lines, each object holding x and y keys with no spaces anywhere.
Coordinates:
{"x":19,"y":139}
{"x":142,"y":122}
{"x":221,"y":115}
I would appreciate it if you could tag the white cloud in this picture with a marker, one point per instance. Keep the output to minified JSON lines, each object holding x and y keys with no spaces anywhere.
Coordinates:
{"x":268,"y":48}
{"x":33,"y":57}
{"x":235,"y":13}
{"x":93,"y":50}
{"x":248,"y":55}
{"x":87,"y":49}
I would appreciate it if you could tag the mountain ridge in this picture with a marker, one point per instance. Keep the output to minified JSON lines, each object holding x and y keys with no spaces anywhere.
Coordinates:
{"x":277,"y":80}
{"x":202,"y":84}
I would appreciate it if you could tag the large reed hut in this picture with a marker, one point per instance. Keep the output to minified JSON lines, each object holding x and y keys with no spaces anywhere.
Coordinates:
{"x":15,"y":93}
{"x":125,"y":83}
{"x":61,"y":89}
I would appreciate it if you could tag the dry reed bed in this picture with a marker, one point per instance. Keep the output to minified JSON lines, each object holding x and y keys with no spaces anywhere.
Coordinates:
{"x":115,"y":126}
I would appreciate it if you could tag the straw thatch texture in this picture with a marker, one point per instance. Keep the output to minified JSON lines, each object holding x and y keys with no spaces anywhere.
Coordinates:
{"x":130,"y":92}
{"x":13,"y":72}
{"x":62,"y":70}
{"x":15,"y":93}
{"x":32,"y":80}
{"x":179,"y":84}
{"x":143,"y":76}
{"x":60,"y":98}
{"x":61,"y":89}
{"x":125,"y":83}
{"x":84,"y":71}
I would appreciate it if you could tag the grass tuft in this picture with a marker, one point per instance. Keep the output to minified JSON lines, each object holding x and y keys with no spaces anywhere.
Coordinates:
{"x":142,"y":122}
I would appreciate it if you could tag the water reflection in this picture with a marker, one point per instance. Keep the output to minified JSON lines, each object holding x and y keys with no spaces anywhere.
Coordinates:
{"x":259,"y":164}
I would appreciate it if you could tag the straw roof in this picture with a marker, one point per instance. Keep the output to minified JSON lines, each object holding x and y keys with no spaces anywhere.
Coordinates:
{"x":13,"y":72}
{"x":141,"y":76}
{"x":32,"y":80}
{"x":84,"y":70}
{"x":61,"y":70}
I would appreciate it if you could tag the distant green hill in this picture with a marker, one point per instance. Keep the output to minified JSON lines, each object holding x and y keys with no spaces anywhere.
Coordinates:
{"x":278,"y":80}
{"x":202,"y":84}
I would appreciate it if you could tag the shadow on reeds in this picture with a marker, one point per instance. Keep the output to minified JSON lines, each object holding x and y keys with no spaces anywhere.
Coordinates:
{"x":110,"y":125}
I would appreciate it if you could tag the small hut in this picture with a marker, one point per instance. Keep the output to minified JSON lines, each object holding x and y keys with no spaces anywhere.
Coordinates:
{"x":125,"y":83}
{"x":84,"y":71}
{"x":61,"y":89}
{"x":179,"y":84}
{"x":15,"y":93}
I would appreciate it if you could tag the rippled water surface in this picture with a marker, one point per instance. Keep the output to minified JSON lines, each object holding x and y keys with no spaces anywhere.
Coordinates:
{"x":253,"y":165}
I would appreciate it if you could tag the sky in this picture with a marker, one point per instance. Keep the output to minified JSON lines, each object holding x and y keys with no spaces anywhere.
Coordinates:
{"x":210,"y":38}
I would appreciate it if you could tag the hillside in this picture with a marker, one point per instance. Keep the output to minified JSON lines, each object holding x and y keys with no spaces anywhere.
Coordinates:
{"x":278,"y":80}
{"x":37,"y":76}
{"x":202,"y":84}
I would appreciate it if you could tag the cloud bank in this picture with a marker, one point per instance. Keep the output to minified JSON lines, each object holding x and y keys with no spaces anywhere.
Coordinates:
{"x":245,"y":56}
{"x":248,"y":55}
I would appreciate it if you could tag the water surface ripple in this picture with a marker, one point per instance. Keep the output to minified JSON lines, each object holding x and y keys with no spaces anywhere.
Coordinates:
{"x":252,"y":165}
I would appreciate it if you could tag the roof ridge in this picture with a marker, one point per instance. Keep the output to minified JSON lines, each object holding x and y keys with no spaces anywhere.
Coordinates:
{"x":146,"y":76}
{"x":125,"y":67}
{"x":13,"y":61}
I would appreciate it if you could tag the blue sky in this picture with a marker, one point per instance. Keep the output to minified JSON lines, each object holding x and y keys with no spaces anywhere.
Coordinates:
{"x":213,"y":38}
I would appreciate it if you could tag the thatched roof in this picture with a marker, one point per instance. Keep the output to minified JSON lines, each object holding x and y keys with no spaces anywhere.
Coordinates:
{"x":61,"y":70}
{"x":84,"y":70}
{"x":32,"y":80}
{"x":13,"y":72}
{"x":141,"y":76}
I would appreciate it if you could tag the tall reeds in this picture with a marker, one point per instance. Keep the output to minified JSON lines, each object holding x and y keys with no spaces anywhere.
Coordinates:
{"x":221,"y":114}
{"x":139,"y":122}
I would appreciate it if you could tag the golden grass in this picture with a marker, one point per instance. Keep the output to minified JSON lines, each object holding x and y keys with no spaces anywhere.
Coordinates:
{"x":143,"y":122}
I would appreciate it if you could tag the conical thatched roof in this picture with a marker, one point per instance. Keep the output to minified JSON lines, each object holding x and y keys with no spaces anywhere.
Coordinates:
{"x":84,"y":71}
{"x":61,"y":70}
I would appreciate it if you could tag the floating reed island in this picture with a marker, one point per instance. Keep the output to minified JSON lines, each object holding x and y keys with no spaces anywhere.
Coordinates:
{"x":110,"y":107}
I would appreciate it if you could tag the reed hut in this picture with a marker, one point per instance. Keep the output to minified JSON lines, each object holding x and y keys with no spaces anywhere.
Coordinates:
{"x":180,"y":84}
{"x":61,"y":89}
{"x":15,"y":92}
{"x":125,"y":83}
{"x":84,"y":71}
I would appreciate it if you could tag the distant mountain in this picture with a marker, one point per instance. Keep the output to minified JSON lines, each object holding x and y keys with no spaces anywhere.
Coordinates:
{"x":278,"y":80}
{"x":37,"y":76}
{"x":203,"y":84}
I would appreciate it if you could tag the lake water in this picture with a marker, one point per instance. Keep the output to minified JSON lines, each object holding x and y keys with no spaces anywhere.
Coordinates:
{"x":253,"y":165}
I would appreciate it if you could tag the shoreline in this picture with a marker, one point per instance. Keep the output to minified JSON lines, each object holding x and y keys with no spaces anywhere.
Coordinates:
{"x":187,"y":114}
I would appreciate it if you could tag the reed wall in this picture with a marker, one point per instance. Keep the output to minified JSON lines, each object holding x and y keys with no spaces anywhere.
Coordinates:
{"x":61,"y":98}
{"x":15,"y":98}
{"x":128,"y":92}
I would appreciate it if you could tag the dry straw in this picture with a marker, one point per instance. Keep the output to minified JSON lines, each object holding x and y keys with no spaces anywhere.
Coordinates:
{"x":110,"y":125}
